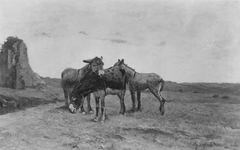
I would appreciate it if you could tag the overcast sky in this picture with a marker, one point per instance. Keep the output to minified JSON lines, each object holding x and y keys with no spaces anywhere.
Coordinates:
{"x":182,"y":41}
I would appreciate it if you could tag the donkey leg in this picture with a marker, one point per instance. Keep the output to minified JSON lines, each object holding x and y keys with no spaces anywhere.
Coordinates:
{"x":97,"y":109}
{"x":82,"y":107}
{"x":122,"y":104}
{"x":155,"y":91}
{"x":90,"y":110}
{"x":67,"y":101}
{"x":66,"y":96}
{"x":160,"y":88}
{"x":133,"y":100}
{"x":139,"y":100}
{"x":161,"y":108}
{"x":103,"y":115}
{"x":101,"y":111}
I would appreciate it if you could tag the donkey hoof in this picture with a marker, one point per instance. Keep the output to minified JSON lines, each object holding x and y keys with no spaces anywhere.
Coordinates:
{"x":131,"y":111}
{"x":121,"y":113}
{"x":106,"y":117}
{"x":73,"y":111}
{"x":83,"y":113}
{"x":95,"y":119}
{"x":91,"y":112}
{"x":103,"y":119}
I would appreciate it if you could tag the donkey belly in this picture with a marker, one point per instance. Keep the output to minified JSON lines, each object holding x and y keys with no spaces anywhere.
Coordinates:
{"x":139,"y":86}
{"x":116,"y":85}
{"x":114,"y":79}
{"x":110,"y":91}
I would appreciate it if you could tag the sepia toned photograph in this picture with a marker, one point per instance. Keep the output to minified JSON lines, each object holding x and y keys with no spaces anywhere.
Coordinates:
{"x":119,"y":74}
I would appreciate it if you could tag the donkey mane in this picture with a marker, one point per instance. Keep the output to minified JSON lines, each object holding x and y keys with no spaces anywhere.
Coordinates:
{"x":129,"y":67}
{"x":109,"y":68}
{"x":85,"y":68}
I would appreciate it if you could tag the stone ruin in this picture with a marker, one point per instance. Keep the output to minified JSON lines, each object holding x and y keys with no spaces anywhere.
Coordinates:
{"x":15,"y":70}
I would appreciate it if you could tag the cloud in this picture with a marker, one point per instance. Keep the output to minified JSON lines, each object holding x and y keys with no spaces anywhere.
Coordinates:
{"x":175,"y":39}
{"x":43,"y":34}
{"x":83,"y":33}
{"x":118,"y":41}
{"x":163,"y":43}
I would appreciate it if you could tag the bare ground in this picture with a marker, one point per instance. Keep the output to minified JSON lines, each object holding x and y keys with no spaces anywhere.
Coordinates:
{"x":192,"y":121}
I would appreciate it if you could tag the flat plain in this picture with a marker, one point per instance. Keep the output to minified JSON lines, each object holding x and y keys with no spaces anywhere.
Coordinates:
{"x":192,"y":120}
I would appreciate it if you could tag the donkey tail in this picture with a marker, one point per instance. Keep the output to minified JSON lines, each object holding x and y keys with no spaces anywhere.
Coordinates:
{"x":162,"y":82}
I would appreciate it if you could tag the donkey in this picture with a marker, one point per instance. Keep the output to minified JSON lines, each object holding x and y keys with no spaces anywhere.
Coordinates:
{"x":141,"y":81}
{"x":70,"y":77}
{"x":113,"y":81}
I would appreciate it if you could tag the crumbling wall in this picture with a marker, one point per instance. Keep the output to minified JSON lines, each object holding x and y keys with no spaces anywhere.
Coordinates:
{"x":7,"y":60}
{"x":3,"y":67}
{"x":15,"y":70}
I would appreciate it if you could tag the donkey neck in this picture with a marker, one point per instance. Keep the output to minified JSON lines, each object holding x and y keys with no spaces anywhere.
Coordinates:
{"x":83,"y":71}
{"x":129,"y":71}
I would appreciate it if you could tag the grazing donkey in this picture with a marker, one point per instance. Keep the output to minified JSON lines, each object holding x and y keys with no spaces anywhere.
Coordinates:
{"x":141,"y":81}
{"x":70,"y":77}
{"x":113,"y":81}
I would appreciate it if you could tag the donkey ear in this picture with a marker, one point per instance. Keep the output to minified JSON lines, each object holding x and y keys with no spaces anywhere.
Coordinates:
{"x":88,"y":61}
{"x":118,"y":60}
{"x":101,"y":58}
{"x":122,"y":61}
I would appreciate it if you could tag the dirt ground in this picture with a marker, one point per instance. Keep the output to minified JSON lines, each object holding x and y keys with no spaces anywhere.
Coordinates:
{"x":192,"y":121}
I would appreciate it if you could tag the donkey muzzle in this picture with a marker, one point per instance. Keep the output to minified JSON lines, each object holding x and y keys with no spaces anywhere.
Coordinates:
{"x":101,"y":72}
{"x":72,"y":109}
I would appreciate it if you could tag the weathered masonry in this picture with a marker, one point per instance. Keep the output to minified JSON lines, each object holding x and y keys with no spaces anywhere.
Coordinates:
{"x":15,"y":70}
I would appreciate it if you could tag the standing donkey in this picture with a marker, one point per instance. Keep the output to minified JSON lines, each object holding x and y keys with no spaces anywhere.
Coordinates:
{"x":113,"y":81}
{"x":70,"y":77}
{"x":141,"y":81}
{"x":115,"y":84}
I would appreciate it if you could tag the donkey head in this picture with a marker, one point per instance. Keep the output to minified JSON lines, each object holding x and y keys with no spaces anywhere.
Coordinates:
{"x":130,"y":72}
{"x":75,"y":103}
{"x":119,"y":63}
{"x":96,"y":65}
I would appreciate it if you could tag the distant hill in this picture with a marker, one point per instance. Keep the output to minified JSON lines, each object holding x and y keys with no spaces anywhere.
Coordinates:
{"x":217,"y":88}
{"x":54,"y":82}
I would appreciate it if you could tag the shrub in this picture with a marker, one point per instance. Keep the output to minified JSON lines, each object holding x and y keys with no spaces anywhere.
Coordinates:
{"x":215,"y":96}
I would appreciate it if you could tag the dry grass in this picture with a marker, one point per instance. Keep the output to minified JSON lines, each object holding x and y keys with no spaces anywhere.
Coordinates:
{"x":192,"y":121}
